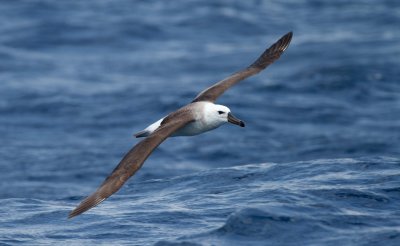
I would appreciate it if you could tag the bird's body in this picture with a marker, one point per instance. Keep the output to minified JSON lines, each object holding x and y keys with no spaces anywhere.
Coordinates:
{"x":202,"y":122}
{"x":199,"y":116}
{"x":204,"y":119}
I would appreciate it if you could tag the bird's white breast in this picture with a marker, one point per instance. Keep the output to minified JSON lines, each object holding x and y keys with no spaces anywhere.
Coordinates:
{"x":205,"y":120}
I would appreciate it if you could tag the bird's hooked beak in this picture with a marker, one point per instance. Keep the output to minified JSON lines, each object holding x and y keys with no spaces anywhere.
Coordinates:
{"x":232,"y":119}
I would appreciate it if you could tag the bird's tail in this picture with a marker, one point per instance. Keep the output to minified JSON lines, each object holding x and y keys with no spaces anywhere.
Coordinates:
{"x":141,"y":134}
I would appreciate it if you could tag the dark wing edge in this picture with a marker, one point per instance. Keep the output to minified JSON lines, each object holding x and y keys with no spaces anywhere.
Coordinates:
{"x":269,"y":56}
{"x":128,"y":166}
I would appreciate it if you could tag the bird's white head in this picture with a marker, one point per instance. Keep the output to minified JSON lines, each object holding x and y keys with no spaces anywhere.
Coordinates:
{"x":219,"y":114}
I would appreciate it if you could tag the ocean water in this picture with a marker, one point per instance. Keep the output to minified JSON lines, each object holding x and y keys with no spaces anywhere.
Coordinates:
{"x":317,"y":163}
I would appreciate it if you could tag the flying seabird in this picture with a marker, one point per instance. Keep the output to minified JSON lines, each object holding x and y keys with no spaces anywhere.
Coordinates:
{"x":201,"y":115}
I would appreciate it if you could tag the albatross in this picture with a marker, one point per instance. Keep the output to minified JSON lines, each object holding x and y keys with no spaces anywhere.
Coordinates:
{"x":199,"y":116}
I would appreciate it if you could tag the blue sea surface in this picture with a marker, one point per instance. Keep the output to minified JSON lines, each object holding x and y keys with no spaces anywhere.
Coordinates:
{"x":318,"y":162}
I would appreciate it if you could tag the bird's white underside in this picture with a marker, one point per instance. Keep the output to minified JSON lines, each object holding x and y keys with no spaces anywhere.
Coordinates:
{"x":206,"y":118}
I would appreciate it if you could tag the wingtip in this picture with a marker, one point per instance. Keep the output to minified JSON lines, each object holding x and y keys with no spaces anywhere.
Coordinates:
{"x":285,"y":40}
{"x":77,"y":211}
{"x":273,"y":52}
{"x":85,"y":205}
{"x":282,"y":44}
{"x":70,"y":216}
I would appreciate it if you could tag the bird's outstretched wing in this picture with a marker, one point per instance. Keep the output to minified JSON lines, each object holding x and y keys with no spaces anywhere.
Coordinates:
{"x":133,"y":161}
{"x":268,"y":57}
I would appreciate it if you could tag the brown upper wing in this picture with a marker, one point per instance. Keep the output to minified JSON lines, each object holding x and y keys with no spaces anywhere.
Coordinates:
{"x":269,"y":56}
{"x":131,"y":162}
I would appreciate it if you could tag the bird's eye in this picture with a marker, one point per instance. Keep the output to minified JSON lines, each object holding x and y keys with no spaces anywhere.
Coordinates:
{"x":220,"y":112}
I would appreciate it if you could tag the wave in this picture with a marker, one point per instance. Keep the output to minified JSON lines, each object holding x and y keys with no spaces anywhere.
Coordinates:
{"x":316,"y":202}
{"x":320,"y":202}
